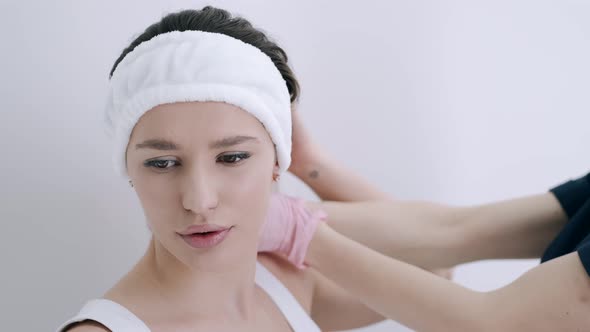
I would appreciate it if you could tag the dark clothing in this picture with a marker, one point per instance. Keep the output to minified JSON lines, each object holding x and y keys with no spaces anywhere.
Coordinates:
{"x":574,"y":197}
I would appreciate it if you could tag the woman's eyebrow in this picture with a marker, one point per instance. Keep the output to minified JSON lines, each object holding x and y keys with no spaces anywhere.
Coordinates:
{"x":231,"y":141}
{"x":157,"y":144}
{"x":165,"y":145}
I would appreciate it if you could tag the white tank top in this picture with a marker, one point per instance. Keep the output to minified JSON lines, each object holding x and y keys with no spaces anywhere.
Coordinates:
{"x":118,"y":319}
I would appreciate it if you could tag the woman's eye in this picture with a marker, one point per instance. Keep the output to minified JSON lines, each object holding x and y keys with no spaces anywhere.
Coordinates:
{"x":161,"y":164}
{"x":233,"y":158}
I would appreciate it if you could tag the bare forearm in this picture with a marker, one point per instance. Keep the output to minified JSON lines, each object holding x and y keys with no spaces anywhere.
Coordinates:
{"x":426,"y":303}
{"x":394,"y":289}
{"x":332,"y":181}
{"x":420,"y":233}
{"x":517,"y":228}
{"x":432,"y":235}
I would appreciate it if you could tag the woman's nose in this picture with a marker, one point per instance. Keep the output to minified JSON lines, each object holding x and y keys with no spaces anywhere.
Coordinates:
{"x":200,"y":193}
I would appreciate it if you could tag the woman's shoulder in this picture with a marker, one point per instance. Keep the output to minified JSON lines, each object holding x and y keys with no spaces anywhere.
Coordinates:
{"x":299,"y":282}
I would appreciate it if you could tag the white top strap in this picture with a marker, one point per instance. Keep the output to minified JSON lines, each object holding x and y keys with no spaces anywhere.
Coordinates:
{"x":285,"y":301}
{"x":110,"y":314}
{"x":118,"y":319}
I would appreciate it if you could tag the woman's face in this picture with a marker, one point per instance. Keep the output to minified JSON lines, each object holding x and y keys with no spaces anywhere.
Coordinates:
{"x":203,"y":173}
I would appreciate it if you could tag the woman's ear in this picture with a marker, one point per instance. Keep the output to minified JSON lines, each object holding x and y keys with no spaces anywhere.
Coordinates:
{"x":276,"y":172}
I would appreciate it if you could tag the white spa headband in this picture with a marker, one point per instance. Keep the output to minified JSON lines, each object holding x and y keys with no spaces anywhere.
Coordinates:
{"x":198,"y":66}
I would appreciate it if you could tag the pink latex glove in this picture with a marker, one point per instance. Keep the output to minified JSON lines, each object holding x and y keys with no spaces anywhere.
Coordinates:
{"x":289,"y":228}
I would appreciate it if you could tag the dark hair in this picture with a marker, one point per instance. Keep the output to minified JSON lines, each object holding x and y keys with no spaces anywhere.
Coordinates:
{"x":211,"y":19}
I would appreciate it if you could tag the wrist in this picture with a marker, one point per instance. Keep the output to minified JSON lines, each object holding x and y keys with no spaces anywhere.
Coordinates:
{"x":314,"y":250}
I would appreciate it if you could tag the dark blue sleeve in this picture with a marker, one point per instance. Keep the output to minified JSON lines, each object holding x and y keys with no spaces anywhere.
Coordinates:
{"x":573,"y":194}
{"x":584,"y":252}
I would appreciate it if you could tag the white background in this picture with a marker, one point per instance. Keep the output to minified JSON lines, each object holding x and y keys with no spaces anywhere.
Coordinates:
{"x":455,"y":101}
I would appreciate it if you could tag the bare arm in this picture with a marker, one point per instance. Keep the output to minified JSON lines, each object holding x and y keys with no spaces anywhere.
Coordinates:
{"x":426,"y":234}
{"x":332,"y":181}
{"x":328,"y":178}
{"x":432,"y":235}
{"x":538,"y":301}
{"x":335,"y":309}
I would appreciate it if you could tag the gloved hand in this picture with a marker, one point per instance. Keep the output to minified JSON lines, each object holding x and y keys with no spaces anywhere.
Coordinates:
{"x":289,"y":228}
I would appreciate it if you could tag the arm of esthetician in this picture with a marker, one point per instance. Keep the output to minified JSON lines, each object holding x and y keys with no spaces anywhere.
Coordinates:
{"x":553,"y":296}
{"x":425,"y":234}
{"x":422,"y":233}
{"x":433,"y":235}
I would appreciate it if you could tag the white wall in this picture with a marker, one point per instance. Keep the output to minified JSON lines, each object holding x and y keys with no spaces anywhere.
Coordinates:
{"x":456,"y":101}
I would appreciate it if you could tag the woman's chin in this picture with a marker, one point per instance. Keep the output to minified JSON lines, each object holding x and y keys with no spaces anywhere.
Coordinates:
{"x":218,"y":252}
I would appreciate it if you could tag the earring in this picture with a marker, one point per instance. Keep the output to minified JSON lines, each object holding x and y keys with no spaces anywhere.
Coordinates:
{"x":131,"y":183}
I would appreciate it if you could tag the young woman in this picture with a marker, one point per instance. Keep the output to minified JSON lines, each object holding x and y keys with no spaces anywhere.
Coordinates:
{"x":199,"y":111}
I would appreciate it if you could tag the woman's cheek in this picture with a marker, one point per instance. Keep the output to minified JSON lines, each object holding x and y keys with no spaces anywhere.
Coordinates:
{"x":160,"y":199}
{"x":249,"y":192}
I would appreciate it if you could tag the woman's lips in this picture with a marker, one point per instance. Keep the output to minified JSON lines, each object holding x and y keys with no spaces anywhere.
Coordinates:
{"x":202,"y":228}
{"x":204,"y":236}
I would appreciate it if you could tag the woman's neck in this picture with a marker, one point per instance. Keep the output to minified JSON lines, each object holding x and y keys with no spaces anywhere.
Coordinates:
{"x":200,"y":292}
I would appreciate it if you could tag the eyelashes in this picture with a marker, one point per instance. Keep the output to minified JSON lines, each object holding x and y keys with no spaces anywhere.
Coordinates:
{"x":229,"y":159}
{"x":233,"y":158}
{"x":161,"y":164}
